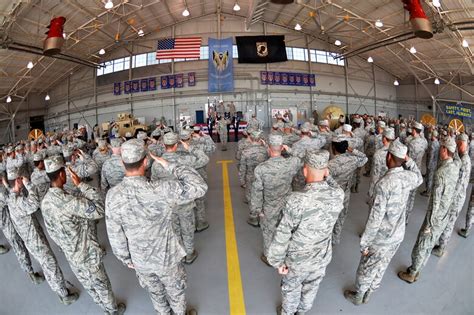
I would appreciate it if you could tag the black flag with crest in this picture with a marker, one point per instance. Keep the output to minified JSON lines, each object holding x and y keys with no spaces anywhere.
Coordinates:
{"x":261,"y":49}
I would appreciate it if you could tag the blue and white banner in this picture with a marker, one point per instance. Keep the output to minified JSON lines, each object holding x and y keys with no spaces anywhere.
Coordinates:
{"x":221,"y":68}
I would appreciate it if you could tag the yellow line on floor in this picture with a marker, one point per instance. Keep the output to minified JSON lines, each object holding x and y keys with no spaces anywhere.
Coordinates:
{"x":234,"y":280}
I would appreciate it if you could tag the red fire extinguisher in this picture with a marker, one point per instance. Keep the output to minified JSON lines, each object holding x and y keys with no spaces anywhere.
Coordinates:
{"x":419,"y":21}
{"x":55,"y":40}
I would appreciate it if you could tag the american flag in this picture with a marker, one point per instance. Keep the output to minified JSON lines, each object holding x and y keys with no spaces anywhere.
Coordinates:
{"x":174,"y":48}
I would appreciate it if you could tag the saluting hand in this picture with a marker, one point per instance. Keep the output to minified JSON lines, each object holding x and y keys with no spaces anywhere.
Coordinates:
{"x":76,"y":180}
{"x":159,"y":160}
{"x":283,"y":270}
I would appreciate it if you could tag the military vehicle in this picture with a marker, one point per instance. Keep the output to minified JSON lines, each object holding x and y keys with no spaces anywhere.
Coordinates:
{"x":126,"y":123}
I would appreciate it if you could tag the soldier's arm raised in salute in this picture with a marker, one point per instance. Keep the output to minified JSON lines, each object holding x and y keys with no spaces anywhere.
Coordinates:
{"x":29,"y":205}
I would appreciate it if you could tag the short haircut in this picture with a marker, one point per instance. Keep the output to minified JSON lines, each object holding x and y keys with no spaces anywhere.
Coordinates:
{"x":55,"y":175}
{"x":417,"y":130}
{"x":37,"y":163}
{"x":340,"y":147}
{"x":133,"y":166}
{"x":169,"y":146}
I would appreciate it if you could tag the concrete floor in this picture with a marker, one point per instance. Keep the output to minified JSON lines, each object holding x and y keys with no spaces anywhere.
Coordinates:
{"x":446,"y":285}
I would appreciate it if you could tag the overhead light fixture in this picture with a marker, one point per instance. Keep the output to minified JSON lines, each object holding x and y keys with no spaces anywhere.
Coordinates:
{"x":9,"y":99}
{"x":102,"y":51}
{"x":30,"y":65}
{"x":298,"y":27}
{"x":413,"y":50}
{"x":337,"y":42}
{"x":109,"y":4}
{"x":64,"y":35}
{"x":396,"y":83}
{"x":186,"y":12}
{"x":436,"y":3}
{"x":47,"y":98}
{"x":141,"y":33}
{"x":370,"y":60}
{"x":378,"y":23}
{"x":236,"y":7}
{"x":465,"y":44}
{"x":436,"y":81}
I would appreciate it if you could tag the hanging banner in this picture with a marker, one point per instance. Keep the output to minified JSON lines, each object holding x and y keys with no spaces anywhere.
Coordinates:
{"x":192,"y":79}
{"x":144,"y":85}
{"x":152,"y":84}
{"x":221,"y":68}
{"x":117,"y":88}
{"x":459,"y":110}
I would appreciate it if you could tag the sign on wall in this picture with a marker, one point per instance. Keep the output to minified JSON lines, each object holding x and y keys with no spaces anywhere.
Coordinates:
{"x":287,"y":78}
{"x":459,"y":110}
{"x":150,"y":84}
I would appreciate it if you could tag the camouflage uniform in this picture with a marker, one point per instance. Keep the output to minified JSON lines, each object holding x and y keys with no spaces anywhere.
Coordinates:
{"x":40,"y":181}
{"x":299,"y":149}
{"x":432,"y":163}
{"x":241,"y":146}
{"x":458,"y":199}
{"x":290,"y":138}
{"x":385,"y":228}
{"x":403,"y":136}
{"x":112,"y":173}
{"x":100,"y":158}
{"x":222,"y":130}
{"x":342,"y":168}
{"x":271,"y":185}
{"x":253,"y":155}
{"x":379,"y":168}
{"x":436,"y":218}
{"x":140,"y":229}
{"x":369,"y":149}
{"x":302,"y":242}
{"x":253,"y":124}
{"x":22,"y":209}
{"x":416,"y":149}
{"x":69,"y":221}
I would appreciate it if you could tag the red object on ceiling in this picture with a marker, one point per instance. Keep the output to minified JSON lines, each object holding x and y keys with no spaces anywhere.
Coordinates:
{"x":56,"y":27}
{"x":415,"y":9}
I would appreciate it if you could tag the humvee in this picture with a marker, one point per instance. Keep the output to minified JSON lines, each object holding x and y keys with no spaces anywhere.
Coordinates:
{"x":126,"y":123}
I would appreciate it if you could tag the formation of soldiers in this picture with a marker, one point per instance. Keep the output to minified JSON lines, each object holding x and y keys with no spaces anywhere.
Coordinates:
{"x":298,"y":183}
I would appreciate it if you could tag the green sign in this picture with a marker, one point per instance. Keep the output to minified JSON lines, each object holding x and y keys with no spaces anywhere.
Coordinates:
{"x":459,"y":110}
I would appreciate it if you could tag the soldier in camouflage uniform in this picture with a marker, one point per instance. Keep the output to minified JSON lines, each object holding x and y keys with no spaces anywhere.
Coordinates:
{"x":464,"y":161}
{"x":369,"y":149}
{"x":470,"y":210}
{"x":437,"y":216}
{"x":324,"y":131}
{"x":222,"y":130}
{"x":39,"y":178}
{"x":385,"y":228}
{"x":113,"y":170}
{"x":15,"y":160}
{"x":301,"y":247}
{"x":379,"y":135}
{"x":402,"y":135}
{"x":253,"y":124}
{"x":253,"y":155}
{"x":416,"y":149}
{"x":69,"y":220}
{"x":271,"y":185}
{"x":241,"y":146}
{"x":432,"y":162}
{"x":140,"y":225}
{"x":342,"y":167}
{"x":101,"y":154}
{"x":23,"y":201}
{"x":289,"y":137}
{"x":203,"y":141}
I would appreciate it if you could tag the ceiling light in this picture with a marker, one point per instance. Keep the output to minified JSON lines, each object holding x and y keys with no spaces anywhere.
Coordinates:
{"x":186,"y":12}
{"x":9,"y":99}
{"x":436,"y":81}
{"x":64,"y":35}
{"x":337,"y":42}
{"x":370,"y":59}
{"x":378,"y":23}
{"x":141,"y":33}
{"x":236,"y":7}
{"x":465,"y":44}
{"x":102,"y":51}
{"x":413,"y":50}
{"x":30,"y":65}
{"x":298,"y":27}
{"x":436,"y":3}
{"x":396,"y":83}
{"x":109,"y":4}
{"x":47,"y":98}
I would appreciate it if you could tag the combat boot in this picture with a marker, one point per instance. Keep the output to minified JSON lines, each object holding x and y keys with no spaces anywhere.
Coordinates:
{"x":69,"y":298}
{"x":354,"y":297}
{"x":367,"y":295}
{"x":36,"y":278}
{"x":202,"y":227}
{"x":463,"y":232}
{"x":192,"y":312}
{"x":4,"y":250}
{"x":408,"y":277}
{"x":190,"y":258}
{"x":121,"y":308}
{"x":437,"y":251}
{"x":264,"y":259}
{"x":253,"y":222}
{"x":424,"y":193}
{"x":356,"y":188}
{"x":353,"y":189}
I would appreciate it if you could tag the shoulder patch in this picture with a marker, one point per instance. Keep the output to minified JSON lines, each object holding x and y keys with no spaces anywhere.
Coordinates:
{"x":90,"y":207}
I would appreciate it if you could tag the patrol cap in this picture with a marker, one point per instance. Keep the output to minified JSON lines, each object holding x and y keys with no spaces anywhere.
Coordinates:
{"x":37,"y":157}
{"x":324,"y":123}
{"x":101,"y":143}
{"x":115,"y":142}
{"x":449,"y":144}
{"x":317,"y":159}
{"x":156,"y":133}
{"x":13,"y":173}
{"x":185,"y":135}
{"x":40,"y":140}
{"x":435,"y":133}
{"x":133,"y":151}
{"x":398,"y":149}
{"x":19,"y":147}
{"x":170,"y":138}
{"x":306,"y":127}
{"x":67,"y":150}
{"x":53,"y":163}
{"x":417,"y":125}
{"x":462,"y":137}
{"x":403,"y":125}
{"x":381,"y":124}
{"x":275,"y":140}
{"x":256,"y":134}
{"x":338,"y":138}
{"x":347,"y":128}
{"x":358,"y":120}
{"x":389,"y":133}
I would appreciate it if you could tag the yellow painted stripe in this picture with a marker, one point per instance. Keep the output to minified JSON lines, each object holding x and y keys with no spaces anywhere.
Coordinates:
{"x":234,"y":280}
